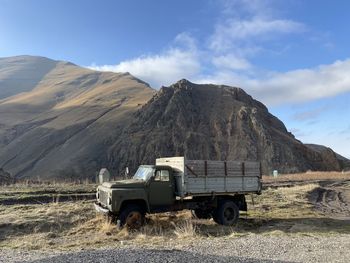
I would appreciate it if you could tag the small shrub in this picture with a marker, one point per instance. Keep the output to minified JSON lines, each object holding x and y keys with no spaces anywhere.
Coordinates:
{"x":185,"y":229}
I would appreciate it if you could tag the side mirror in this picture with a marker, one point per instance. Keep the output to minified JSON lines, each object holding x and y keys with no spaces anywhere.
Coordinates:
{"x":126,"y":175}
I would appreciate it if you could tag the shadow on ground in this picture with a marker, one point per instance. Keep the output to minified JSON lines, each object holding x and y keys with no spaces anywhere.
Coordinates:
{"x":276,"y":225}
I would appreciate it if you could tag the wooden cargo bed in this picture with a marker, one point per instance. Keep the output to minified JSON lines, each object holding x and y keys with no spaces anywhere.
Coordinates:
{"x":203,"y":177}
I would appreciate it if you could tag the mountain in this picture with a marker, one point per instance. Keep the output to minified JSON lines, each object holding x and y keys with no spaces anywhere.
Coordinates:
{"x":328,"y":153}
{"x":62,"y":121}
{"x":218,"y":123}
{"x":61,"y":118}
{"x":22,"y":73}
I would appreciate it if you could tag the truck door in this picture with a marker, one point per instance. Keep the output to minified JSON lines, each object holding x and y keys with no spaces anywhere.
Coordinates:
{"x":161,"y":191}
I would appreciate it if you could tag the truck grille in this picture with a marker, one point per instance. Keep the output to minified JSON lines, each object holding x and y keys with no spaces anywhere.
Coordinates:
{"x":103,"y":197}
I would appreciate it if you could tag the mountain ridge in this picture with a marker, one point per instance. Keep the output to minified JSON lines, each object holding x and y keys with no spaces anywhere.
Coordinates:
{"x":69,"y":121}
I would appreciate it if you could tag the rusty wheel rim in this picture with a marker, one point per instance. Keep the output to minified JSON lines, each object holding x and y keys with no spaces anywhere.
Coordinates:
{"x":134,"y":220}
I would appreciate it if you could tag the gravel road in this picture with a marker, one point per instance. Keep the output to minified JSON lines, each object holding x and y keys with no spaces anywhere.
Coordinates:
{"x":251,"y":248}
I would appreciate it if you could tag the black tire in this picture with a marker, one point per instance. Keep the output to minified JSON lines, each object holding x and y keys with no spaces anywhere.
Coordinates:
{"x":227,"y":213}
{"x":201,"y":213}
{"x":132,"y":216}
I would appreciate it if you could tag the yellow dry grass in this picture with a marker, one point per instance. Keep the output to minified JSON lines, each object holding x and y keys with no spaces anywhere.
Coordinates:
{"x":76,"y":225}
{"x":308,"y":176}
{"x":185,"y":229}
{"x":28,"y":186}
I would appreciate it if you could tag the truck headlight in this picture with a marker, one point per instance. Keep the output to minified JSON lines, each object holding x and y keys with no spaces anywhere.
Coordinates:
{"x":109,"y":199}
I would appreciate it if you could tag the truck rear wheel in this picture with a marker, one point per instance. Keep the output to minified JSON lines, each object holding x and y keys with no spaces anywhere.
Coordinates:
{"x":201,"y":213}
{"x":227,"y":213}
{"x":132,"y":216}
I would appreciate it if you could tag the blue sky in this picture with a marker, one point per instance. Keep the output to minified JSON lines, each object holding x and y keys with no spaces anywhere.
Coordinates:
{"x":294,"y":56}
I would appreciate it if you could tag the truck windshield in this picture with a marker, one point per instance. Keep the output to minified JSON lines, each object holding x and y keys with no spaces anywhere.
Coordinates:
{"x":144,"y":173}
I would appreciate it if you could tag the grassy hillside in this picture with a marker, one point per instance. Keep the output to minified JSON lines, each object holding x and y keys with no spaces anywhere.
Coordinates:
{"x":63,"y":123}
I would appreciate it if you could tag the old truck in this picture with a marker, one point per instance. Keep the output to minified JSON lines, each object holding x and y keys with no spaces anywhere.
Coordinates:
{"x":211,"y":189}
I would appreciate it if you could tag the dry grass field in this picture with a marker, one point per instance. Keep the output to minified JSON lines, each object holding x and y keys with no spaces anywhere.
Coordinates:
{"x":308,"y":176}
{"x":313,"y":208}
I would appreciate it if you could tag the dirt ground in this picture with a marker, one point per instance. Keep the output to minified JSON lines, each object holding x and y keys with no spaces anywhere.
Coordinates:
{"x":332,"y":199}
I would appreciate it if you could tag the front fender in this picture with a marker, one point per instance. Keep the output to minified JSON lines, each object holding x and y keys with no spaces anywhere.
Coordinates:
{"x":121,"y":195}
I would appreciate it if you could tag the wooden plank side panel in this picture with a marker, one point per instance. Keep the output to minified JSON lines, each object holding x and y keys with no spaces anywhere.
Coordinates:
{"x":246,"y":184}
{"x":234,"y":168}
{"x":255,"y":173}
{"x":222,"y":175}
{"x":197,"y":184}
{"x":217,"y":168}
{"x":214,"y":168}
{"x":251,"y":183}
{"x":216,"y":183}
{"x":233,"y":184}
{"x":250,"y":164}
{"x":196,"y":168}
{"x":206,"y":177}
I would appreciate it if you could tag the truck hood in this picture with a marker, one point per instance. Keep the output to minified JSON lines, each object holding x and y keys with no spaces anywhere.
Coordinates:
{"x":130,"y":183}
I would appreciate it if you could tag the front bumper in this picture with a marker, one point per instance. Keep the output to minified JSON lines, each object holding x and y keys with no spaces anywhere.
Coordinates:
{"x":101,"y":209}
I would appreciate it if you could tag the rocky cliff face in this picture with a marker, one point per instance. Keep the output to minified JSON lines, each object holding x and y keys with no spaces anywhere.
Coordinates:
{"x":329,"y":155}
{"x":214,"y":122}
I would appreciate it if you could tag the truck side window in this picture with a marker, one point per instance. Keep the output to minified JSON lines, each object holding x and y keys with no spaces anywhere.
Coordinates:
{"x":164,"y":175}
{"x":157,"y":176}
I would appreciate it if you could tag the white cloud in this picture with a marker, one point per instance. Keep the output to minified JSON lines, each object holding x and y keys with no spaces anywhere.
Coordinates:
{"x":186,"y":42}
{"x":159,"y":70}
{"x":178,"y":62}
{"x":272,"y":88}
{"x":245,"y":23}
{"x":304,"y":84}
{"x":231,"y":61}
{"x":291,"y":86}
{"x":228,"y":34}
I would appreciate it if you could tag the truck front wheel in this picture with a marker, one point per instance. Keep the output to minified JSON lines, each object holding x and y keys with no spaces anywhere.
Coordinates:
{"x":227,"y":213}
{"x":132,"y":216}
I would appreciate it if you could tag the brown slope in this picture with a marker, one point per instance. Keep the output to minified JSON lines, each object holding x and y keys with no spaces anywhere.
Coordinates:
{"x":328,"y":154}
{"x":62,"y":126}
{"x":213,"y":122}
{"x":22,"y":73}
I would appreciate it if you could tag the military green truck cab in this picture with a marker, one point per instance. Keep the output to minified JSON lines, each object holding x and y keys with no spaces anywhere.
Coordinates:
{"x":211,"y":189}
{"x":151,"y":189}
